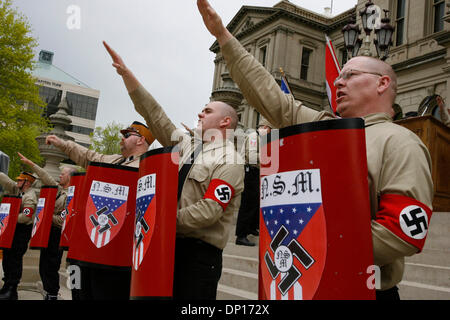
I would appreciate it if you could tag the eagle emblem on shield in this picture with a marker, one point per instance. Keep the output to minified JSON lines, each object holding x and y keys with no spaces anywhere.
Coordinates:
{"x":37,"y":217}
{"x":145,"y":217}
{"x":106,"y":209}
{"x":291,"y":207}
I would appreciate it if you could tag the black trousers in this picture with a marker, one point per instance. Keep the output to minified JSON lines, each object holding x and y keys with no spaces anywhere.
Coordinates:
{"x":198,"y":267}
{"x":248,"y":216}
{"x":13,"y":257}
{"x":388,"y":295}
{"x":102,"y":283}
{"x":50,"y":262}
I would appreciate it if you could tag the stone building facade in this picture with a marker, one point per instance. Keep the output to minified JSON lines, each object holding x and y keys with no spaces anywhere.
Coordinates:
{"x":292,"y":38}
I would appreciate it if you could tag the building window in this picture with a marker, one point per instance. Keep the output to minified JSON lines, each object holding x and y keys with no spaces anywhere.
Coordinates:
{"x":82,"y":106}
{"x":52,"y":97}
{"x":400,"y":22}
{"x":306,"y":54}
{"x":438,"y":10}
{"x":81,"y":130}
{"x":263,"y":55}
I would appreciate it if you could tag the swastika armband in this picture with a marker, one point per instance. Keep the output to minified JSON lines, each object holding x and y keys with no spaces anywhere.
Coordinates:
{"x":406,"y":217}
{"x":219,"y":191}
{"x":28,"y":211}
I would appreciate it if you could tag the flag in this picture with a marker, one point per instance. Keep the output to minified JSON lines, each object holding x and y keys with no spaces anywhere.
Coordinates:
{"x":332,"y":71}
{"x":284,"y":83}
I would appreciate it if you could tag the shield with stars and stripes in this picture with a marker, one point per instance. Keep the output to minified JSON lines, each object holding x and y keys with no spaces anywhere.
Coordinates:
{"x":155,"y":225}
{"x":313,"y":196}
{"x":105,"y":211}
{"x":9,"y":211}
{"x":71,"y":208}
{"x":43,"y":217}
{"x":145,"y":217}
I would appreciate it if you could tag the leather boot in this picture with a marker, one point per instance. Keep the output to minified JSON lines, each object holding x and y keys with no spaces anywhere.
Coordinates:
{"x":9,"y":294}
{"x":51,"y":297}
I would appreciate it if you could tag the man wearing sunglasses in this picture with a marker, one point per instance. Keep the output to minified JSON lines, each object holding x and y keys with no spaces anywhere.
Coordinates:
{"x":135,"y":141}
{"x":399,"y":164}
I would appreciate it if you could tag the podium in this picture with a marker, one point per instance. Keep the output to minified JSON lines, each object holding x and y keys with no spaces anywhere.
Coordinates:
{"x":436,"y":136}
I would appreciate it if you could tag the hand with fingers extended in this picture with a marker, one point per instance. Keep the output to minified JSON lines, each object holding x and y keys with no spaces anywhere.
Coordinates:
{"x":213,"y":22}
{"x":131,"y":83}
{"x":118,"y":63}
{"x":25,"y":159}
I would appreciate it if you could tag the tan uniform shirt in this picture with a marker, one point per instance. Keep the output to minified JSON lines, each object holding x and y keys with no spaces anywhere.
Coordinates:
{"x":250,"y":149}
{"x":82,"y":156}
{"x":197,"y":217}
{"x":29,"y":198}
{"x":398,"y":162}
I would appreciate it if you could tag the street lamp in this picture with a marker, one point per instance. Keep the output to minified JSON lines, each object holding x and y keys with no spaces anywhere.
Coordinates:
{"x":383,"y":34}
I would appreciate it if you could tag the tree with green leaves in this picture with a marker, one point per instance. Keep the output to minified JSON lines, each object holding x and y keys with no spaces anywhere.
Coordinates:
{"x":106,"y":140}
{"x":21,"y":108}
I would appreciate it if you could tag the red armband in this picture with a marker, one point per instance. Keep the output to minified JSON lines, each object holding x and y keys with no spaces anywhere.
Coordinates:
{"x":406,"y":217}
{"x":219,"y":191}
{"x":28,"y":211}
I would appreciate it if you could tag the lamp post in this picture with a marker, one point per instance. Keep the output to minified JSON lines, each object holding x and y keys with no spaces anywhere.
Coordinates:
{"x":383,"y":33}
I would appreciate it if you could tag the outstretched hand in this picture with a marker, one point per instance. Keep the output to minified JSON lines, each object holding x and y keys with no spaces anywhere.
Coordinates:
{"x":53,"y":140}
{"x":213,"y":22}
{"x":25,"y":159}
{"x":117,"y":60}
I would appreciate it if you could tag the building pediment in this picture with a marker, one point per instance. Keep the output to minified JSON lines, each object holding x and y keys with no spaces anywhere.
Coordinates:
{"x":250,"y":19}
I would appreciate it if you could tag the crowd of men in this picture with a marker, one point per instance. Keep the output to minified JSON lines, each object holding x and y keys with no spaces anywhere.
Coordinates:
{"x":366,"y":88}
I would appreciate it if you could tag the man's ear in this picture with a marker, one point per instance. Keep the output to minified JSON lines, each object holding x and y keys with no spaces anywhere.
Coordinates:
{"x":384,"y":82}
{"x":225,"y":122}
{"x":140,"y":141}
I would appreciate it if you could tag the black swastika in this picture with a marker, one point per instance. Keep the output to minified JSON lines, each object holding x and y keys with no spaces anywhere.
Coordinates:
{"x":418,"y":222}
{"x":223,"y":194}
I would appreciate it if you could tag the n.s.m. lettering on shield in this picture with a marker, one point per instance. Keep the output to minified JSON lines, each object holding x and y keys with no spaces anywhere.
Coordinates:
{"x":145,"y":217}
{"x":4,"y":214}
{"x":105,"y":211}
{"x":293,"y":238}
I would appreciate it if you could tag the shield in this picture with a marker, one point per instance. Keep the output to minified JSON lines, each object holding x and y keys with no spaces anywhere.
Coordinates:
{"x":43,"y":217}
{"x":73,"y":192}
{"x":314,"y":195}
{"x":105,"y":211}
{"x":145,"y":217}
{"x":9,"y":211}
{"x":103,"y":229}
{"x":154,"y":236}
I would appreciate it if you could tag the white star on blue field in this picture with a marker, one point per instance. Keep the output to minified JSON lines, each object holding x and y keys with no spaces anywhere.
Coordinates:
{"x":294,"y":217}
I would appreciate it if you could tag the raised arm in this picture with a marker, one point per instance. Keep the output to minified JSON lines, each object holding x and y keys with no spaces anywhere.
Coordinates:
{"x":256,"y":84}
{"x":45,"y":177}
{"x":158,"y":122}
{"x":213,"y":22}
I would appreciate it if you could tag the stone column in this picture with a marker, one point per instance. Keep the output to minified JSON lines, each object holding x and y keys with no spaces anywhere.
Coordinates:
{"x":52,"y":155}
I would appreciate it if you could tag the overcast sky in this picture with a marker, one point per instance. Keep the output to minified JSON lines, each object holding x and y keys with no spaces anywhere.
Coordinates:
{"x":164,"y":43}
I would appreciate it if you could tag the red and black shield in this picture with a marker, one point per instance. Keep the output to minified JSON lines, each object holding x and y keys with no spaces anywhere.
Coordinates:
{"x":154,"y":236}
{"x":43,"y":217}
{"x":70,"y":209}
{"x":103,"y":229}
{"x":9,"y":211}
{"x":314,"y":195}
